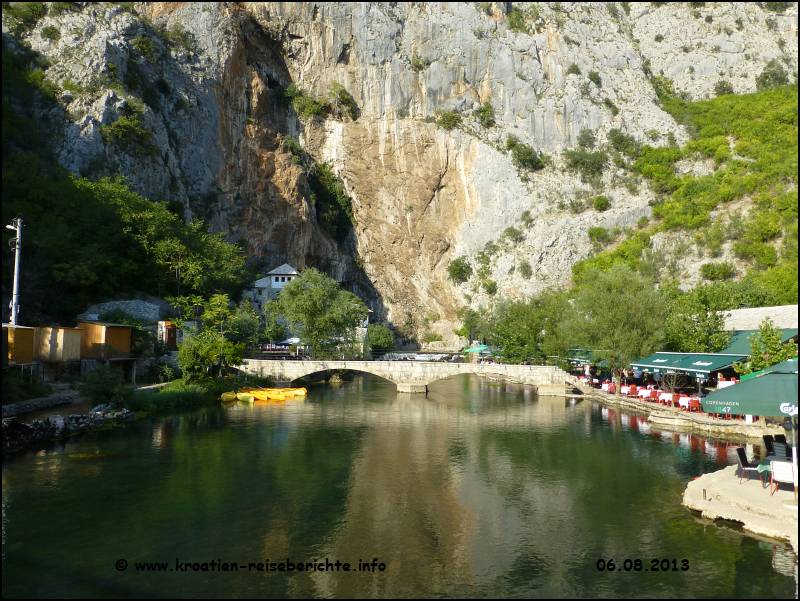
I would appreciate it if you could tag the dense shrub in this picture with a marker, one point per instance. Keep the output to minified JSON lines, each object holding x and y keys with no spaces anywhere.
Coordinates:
{"x":601,"y":203}
{"x":586,"y":138}
{"x":380,"y":337}
{"x":489,"y":286}
{"x":723,"y":87}
{"x":624,"y":143}
{"x":773,"y":76}
{"x":525,"y":269}
{"x":448,"y":119}
{"x":573,"y":70}
{"x":524,"y":156}
{"x":342,"y":102}
{"x":306,"y":106}
{"x":600,"y":236}
{"x":590,"y":164}
{"x":144,"y":46}
{"x":459,"y":270}
{"x":51,"y":33}
{"x":105,"y":384}
{"x":513,"y":234}
{"x":485,"y":115}
{"x":516,"y":21}
{"x":594,"y":77}
{"x":129,"y":133}
{"x":717,"y":271}
{"x":334,"y":207}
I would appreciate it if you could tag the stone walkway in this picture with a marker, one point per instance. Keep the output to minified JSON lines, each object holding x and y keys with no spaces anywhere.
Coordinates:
{"x":62,"y":397}
{"x":719,"y":495}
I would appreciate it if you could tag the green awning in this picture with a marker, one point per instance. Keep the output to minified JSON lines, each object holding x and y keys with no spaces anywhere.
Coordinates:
{"x":740,"y":341}
{"x":481,"y":348}
{"x":689,"y":363}
{"x":773,"y":393}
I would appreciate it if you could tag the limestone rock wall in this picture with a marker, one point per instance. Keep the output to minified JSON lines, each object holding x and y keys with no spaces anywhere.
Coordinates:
{"x":422,"y":195}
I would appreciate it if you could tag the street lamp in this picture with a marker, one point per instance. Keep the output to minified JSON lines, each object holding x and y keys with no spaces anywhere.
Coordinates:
{"x":16,"y":226}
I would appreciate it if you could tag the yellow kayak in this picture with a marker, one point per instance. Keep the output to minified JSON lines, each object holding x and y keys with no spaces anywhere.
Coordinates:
{"x":227,"y":397}
{"x":245,"y":397}
{"x":266,"y":395}
{"x":274,"y":394}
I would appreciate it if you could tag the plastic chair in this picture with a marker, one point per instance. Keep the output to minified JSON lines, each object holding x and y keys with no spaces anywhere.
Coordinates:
{"x":768,"y":439}
{"x":746,"y":469}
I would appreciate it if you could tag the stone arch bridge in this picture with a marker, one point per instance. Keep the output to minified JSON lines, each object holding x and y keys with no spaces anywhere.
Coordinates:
{"x":414,"y":376}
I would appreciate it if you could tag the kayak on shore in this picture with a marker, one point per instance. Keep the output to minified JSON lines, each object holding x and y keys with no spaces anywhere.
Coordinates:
{"x":249,"y":395}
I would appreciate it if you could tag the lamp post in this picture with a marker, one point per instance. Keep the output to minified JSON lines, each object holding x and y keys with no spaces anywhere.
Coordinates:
{"x":16,"y":226}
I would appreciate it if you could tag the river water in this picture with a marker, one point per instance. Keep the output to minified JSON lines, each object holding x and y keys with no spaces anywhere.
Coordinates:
{"x":479,"y":490}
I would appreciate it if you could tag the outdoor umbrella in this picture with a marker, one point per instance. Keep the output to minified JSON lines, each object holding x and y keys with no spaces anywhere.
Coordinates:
{"x":772,"y":393}
{"x":481,"y":348}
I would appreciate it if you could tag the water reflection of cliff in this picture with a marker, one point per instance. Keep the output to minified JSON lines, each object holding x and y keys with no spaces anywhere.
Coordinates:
{"x":424,"y":500}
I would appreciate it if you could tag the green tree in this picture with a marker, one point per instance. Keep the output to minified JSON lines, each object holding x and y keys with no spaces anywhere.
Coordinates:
{"x":475,"y":324}
{"x":322,"y":314}
{"x":244,"y":325}
{"x":217,"y":313}
{"x":517,"y":331}
{"x":619,"y":314}
{"x":274,"y":328}
{"x":530,"y":331}
{"x":207,"y":354}
{"x":694,"y":324}
{"x":380,"y":337}
{"x":766,"y":349}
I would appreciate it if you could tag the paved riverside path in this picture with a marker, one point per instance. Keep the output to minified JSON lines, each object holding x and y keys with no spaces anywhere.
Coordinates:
{"x":414,"y":376}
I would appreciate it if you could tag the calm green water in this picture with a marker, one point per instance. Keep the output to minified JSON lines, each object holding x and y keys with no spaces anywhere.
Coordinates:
{"x":479,"y":490}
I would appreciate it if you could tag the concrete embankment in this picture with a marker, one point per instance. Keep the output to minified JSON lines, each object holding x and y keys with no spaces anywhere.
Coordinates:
{"x":671,"y":418}
{"x":65,"y":397}
{"x":719,"y":495}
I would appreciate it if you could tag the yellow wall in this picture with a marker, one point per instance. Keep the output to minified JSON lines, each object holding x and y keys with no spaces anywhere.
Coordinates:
{"x":103,"y":341}
{"x":58,"y":344}
{"x":120,"y":340}
{"x":21,"y":344}
{"x":93,"y":340}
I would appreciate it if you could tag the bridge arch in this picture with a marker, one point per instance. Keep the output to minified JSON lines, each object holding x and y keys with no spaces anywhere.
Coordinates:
{"x":381,"y":376}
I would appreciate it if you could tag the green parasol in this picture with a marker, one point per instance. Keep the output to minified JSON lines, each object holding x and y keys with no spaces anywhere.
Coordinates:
{"x":772,"y":393}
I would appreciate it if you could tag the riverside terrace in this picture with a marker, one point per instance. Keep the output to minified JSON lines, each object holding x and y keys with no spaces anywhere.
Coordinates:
{"x":674,"y":413}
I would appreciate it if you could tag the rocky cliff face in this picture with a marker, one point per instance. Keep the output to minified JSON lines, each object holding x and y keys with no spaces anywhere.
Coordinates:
{"x":422,"y":194}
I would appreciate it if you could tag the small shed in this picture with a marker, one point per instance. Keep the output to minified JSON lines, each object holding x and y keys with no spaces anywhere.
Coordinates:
{"x":21,"y":344}
{"x":58,"y":344}
{"x":102,"y":340}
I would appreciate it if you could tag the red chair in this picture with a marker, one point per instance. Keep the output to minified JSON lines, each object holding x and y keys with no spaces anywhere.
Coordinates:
{"x":654,"y":395}
{"x":694,"y":405}
{"x":633,"y":390}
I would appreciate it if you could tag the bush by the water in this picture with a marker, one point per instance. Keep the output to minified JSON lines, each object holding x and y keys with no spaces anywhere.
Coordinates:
{"x":105,"y":384}
{"x":179,"y":395}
